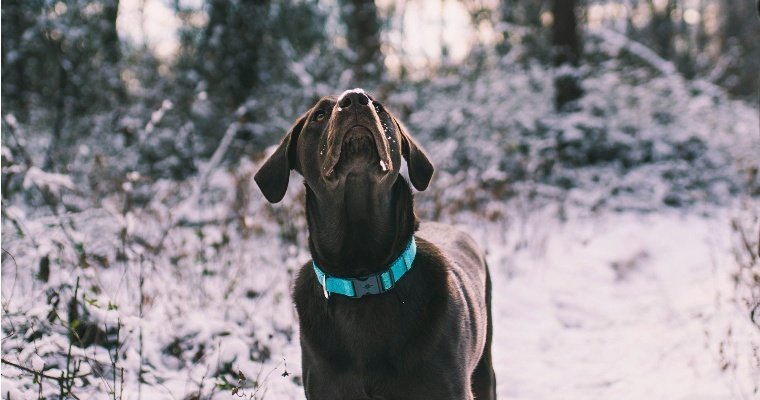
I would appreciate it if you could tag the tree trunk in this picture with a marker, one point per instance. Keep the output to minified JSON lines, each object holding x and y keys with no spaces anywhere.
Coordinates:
{"x":112,"y":51}
{"x":363,"y":37}
{"x":110,"y":35}
{"x":507,"y":16}
{"x":738,"y":41}
{"x":231,"y":49}
{"x":14,"y":71}
{"x":567,"y":48}
{"x":661,"y":27}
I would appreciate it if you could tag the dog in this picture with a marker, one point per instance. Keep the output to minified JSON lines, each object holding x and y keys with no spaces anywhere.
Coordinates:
{"x":389,"y":307}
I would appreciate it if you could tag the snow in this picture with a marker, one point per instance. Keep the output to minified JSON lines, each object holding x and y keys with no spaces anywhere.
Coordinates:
{"x":349,"y":91}
{"x":37,"y":363}
{"x":623,"y":305}
{"x":47,"y":180}
{"x":157,"y":116}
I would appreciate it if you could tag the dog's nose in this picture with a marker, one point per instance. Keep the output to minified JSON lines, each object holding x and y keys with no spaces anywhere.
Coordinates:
{"x":353,"y":98}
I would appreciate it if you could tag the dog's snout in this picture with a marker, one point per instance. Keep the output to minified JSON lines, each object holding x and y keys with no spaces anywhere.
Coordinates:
{"x":352,"y":99}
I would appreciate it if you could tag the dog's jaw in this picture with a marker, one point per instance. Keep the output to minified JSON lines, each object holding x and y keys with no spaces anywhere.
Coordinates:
{"x":359,"y":154}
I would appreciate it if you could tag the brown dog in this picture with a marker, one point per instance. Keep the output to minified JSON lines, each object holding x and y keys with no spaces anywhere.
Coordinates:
{"x":389,"y":308}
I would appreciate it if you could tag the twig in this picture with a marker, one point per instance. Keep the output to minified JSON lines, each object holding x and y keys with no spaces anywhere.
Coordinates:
{"x":39,"y":373}
{"x":745,"y":242}
{"x":76,"y":336}
{"x":115,"y":357}
{"x":216,"y":158}
{"x":68,"y":353}
{"x":15,"y":276}
{"x":20,"y":227}
{"x":641,"y":51}
{"x":10,"y":121}
{"x":186,"y":223}
{"x":140,"y":333}
{"x":261,"y":383}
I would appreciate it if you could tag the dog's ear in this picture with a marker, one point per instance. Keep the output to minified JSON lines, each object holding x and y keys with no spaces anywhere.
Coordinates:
{"x":274,"y":174}
{"x":417,"y":162}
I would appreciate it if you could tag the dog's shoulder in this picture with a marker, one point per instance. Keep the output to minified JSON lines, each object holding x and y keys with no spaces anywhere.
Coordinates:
{"x":457,"y":252}
{"x":451,"y":242}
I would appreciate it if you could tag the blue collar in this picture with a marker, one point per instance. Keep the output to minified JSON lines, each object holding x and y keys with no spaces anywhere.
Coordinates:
{"x":371,"y":284}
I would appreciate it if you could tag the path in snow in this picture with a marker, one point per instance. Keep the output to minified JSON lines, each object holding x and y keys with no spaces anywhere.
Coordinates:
{"x":623,"y":306}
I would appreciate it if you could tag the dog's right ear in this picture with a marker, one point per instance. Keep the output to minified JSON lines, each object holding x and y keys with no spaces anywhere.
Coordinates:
{"x":417,"y":162}
{"x":274,"y":174}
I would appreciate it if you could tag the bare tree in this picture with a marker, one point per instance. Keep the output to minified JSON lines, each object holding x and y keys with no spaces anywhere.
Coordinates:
{"x":661,"y":27}
{"x":110,"y":36}
{"x":14,"y":24}
{"x":567,"y":51}
{"x":363,"y":37}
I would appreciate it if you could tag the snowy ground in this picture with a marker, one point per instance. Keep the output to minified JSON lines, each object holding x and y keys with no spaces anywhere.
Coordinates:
{"x":622,"y":305}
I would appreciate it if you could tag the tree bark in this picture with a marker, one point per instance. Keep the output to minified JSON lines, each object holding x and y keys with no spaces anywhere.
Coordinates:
{"x":661,"y":27}
{"x":363,"y":37}
{"x":14,"y":71}
{"x":112,"y":51}
{"x":567,"y":52}
{"x":110,"y":35}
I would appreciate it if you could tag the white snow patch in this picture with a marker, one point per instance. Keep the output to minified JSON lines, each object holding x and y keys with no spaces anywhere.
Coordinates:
{"x":355,"y":90}
{"x":619,"y":306}
{"x":51,"y":181}
{"x":37,"y":363}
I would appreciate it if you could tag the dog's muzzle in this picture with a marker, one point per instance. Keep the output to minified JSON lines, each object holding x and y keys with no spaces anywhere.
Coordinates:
{"x":353,"y":112}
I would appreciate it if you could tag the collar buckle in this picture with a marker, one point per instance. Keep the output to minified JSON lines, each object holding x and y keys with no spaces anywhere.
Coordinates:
{"x":372,"y":284}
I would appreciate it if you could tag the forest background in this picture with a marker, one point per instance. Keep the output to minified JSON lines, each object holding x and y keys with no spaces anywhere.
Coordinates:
{"x":597,"y":149}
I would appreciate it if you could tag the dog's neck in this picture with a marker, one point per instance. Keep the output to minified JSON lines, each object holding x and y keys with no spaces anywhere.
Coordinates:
{"x":363,"y":233}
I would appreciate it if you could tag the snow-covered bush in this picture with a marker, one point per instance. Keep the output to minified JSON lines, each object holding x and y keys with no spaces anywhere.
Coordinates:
{"x":637,"y":139}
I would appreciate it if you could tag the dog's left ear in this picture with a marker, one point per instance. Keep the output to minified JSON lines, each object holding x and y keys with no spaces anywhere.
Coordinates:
{"x":417,"y":162}
{"x":274,"y":174}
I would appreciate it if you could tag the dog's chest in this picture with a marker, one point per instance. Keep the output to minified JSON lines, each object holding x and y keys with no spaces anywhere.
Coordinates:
{"x":369,"y":331}
{"x":421,"y":383}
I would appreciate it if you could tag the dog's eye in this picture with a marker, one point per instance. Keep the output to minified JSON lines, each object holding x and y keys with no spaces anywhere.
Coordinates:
{"x":319,"y":115}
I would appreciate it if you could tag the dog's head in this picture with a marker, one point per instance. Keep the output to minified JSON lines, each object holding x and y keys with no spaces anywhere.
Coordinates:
{"x":343,"y":141}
